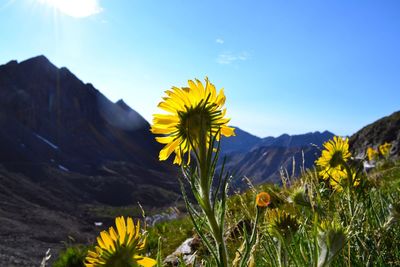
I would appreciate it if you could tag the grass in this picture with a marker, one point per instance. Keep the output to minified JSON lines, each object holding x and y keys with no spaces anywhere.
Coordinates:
{"x":171,"y":234}
{"x":308,"y":223}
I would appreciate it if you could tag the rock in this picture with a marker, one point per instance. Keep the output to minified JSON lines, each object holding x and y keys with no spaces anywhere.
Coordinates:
{"x":186,"y":251}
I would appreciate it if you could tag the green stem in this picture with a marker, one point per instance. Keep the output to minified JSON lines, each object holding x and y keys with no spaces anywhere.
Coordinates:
{"x":349,"y":187}
{"x":253,"y":236}
{"x":216,"y":229}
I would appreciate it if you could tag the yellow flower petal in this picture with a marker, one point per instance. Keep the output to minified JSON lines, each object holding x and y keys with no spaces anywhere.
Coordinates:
{"x":109,"y":244}
{"x":130,"y":230}
{"x":146,"y":262}
{"x":165,"y":139}
{"x":178,"y":158}
{"x":121,"y":228}
{"x":227,"y":131}
{"x":158,"y":130}
{"x":220,"y":98}
{"x":168,"y":149}
{"x":101,"y":243}
{"x":113,"y":234}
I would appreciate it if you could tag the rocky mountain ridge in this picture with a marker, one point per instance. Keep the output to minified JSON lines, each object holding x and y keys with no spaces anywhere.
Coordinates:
{"x":66,"y":152}
{"x":386,"y":129}
{"x":263,"y":159}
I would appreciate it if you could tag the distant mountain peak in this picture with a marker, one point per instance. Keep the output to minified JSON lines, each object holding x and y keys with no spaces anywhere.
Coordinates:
{"x":11,"y":63}
{"x":123,"y":105}
{"x":40,"y":59}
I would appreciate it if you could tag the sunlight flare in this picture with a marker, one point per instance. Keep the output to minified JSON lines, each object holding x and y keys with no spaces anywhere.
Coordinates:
{"x":75,"y":8}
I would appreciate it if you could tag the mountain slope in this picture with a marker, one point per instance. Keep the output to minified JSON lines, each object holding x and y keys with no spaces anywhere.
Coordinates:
{"x":263,"y":159}
{"x":265,"y":164}
{"x":285,"y":140}
{"x":246,"y":142}
{"x":386,"y":129}
{"x":241,"y":142}
{"x":72,"y":119}
{"x":66,"y":150}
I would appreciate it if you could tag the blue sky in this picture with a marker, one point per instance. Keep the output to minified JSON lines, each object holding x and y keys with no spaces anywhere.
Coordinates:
{"x":286,"y":66}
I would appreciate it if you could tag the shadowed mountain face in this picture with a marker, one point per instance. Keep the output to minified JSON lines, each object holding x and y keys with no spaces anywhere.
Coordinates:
{"x":285,"y":140}
{"x":266,"y":164}
{"x":386,"y":129}
{"x":65,"y":146}
{"x":245,"y":142}
{"x":263,"y":159}
{"x":50,"y":114}
{"x":50,"y":119}
{"x":241,"y":142}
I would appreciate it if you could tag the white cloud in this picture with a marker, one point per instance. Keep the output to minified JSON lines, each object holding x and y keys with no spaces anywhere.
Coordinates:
{"x":219,"y":41}
{"x":229,"y":57}
{"x":75,"y":8}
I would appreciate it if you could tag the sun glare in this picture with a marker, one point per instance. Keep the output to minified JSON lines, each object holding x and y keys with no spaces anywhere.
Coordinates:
{"x":75,"y":8}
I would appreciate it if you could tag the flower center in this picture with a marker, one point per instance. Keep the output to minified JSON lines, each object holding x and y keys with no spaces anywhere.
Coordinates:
{"x":195,"y":123}
{"x":122,"y":257}
{"x":337,"y":159}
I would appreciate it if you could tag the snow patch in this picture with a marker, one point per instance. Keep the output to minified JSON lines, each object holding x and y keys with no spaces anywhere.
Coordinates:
{"x":46,"y":141}
{"x":61,"y":167}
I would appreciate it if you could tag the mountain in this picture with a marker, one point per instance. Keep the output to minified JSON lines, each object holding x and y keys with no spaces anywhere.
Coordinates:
{"x":66,"y":152}
{"x":263,"y":159}
{"x":265,"y":164}
{"x":245,"y":142}
{"x":285,"y":140}
{"x":241,"y":142}
{"x":386,"y":129}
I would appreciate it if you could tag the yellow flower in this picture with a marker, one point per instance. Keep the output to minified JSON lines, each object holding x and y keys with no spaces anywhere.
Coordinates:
{"x":121,"y":248}
{"x":336,"y":153}
{"x":194,"y":114}
{"x":263,"y":199}
{"x":340,"y":179}
{"x":372,"y":154}
{"x":385,"y":149}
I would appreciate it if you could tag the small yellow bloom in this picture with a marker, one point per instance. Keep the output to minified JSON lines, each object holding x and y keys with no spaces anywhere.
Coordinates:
{"x":121,"y":248}
{"x":340,"y":179}
{"x":263,"y":199}
{"x":372,"y":154}
{"x":335,"y":154}
{"x":194,"y":113}
{"x":385,"y":149}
